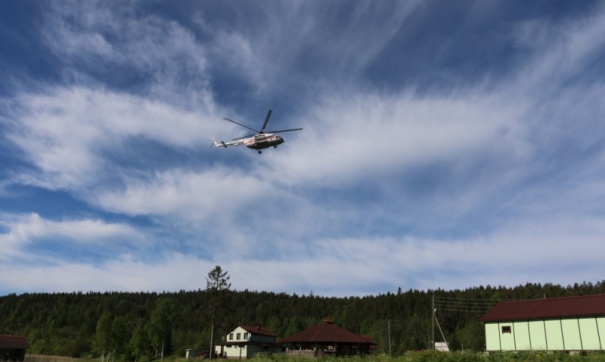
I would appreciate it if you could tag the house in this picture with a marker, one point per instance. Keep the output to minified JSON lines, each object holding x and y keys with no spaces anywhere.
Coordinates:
{"x":327,"y":338}
{"x":555,"y":324}
{"x":247,"y":341}
{"x":12,"y":348}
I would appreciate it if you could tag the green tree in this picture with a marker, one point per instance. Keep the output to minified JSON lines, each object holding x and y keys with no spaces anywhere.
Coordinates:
{"x":217,"y":280}
{"x":120,"y":335}
{"x":472,"y":336}
{"x":160,"y":325}
{"x":139,"y":343}
{"x":102,"y":341}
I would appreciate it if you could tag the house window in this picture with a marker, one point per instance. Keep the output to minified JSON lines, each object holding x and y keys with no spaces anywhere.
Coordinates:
{"x":239,"y":335}
{"x":231,"y":336}
{"x":246,"y":336}
{"x":506,"y":329}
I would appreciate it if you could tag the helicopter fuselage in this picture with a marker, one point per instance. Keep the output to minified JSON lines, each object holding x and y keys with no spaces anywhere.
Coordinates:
{"x":260,"y":142}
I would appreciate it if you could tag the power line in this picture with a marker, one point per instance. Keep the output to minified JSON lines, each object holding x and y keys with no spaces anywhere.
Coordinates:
{"x":464,"y":305}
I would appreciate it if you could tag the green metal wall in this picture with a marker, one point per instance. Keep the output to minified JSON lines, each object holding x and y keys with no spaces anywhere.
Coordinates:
{"x":538,"y":336}
{"x":572,"y":334}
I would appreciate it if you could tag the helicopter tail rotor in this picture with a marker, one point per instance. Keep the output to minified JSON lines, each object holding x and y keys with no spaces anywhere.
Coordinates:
{"x":220,"y":144}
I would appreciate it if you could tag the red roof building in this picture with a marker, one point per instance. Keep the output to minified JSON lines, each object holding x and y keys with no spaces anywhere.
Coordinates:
{"x":12,"y":348}
{"x":557,"y":324}
{"x":327,"y":337}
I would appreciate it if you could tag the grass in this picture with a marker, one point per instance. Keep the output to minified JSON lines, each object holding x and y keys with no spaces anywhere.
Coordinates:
{"x":434,"y":356}
{"x":44,"y":358}
{"x":424,"y":356}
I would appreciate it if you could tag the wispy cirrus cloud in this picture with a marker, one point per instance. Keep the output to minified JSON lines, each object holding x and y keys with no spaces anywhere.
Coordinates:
{"x":407,"y":173}
{"x":71,"y":135}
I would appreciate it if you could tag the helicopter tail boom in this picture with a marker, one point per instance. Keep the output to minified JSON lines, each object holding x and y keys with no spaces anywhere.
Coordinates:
{"x":223,"y":144}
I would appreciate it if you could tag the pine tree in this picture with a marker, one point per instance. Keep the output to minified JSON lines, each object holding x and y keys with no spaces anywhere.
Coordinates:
{"x":217,"y":283}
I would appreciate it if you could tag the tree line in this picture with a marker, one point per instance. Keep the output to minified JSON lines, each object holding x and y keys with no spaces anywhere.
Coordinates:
{"x":127,"y":326}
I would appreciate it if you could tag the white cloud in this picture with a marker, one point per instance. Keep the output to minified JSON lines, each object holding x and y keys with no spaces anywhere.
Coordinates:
{"x":293,"y":45}
{"x":562,"y":60}
{"x":24,"y":231}
{"x":547,"y":251}
{"x":100,"y":41}
{"x":176,"y":272}
{"x":188,"y":195}
{"x":67,"y":133}
{"x":367,"y":137}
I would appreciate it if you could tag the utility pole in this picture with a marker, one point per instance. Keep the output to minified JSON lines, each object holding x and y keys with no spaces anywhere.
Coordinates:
{"x":162,"y":358}
{"x":212,"y":333}
{"x":433,"y":322}
{"x":389,"y":329}
{"x":440,"y":330}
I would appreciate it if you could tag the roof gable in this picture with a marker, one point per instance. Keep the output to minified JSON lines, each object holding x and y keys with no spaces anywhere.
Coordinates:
{"x":325,"y":332}
{"x":567,"y":307}
{"x":254,"y":330}
{"x":258,"y":330}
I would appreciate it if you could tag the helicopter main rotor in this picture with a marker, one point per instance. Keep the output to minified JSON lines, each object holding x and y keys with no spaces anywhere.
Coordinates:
{"x":262,"y":130}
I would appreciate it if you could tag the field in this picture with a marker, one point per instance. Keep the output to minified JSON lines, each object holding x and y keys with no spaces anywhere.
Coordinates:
{"x":43,"y":358}
{"x":426,"y":356}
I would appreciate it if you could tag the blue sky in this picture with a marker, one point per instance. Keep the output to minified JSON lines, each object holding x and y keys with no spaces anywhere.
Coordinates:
{"x":445,"y":145}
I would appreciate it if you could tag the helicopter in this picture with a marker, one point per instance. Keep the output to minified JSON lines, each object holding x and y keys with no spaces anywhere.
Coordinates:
{"x":258,"y":141}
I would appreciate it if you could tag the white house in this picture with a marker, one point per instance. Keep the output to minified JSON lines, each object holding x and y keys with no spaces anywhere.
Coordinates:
{"x":247,"y":341}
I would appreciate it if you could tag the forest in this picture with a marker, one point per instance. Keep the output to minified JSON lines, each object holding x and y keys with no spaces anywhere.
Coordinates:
{"x":139,"y":326}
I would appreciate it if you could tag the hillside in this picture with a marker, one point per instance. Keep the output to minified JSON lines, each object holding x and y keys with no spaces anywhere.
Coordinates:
{"x":138,"y":324}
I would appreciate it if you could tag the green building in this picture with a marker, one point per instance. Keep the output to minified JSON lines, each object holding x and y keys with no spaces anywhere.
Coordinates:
{"x":556,"y":324}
